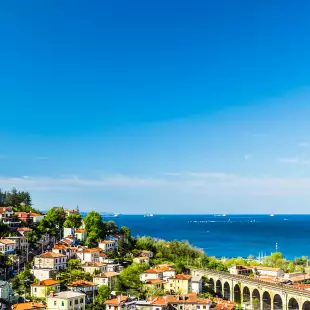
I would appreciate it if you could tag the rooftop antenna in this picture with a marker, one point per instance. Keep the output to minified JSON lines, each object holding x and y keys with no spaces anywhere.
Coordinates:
{"x":277,"y":246}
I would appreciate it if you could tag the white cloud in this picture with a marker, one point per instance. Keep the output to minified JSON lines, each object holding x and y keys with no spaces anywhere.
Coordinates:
{"x":197,"y":183}
{"x":294,"y":160}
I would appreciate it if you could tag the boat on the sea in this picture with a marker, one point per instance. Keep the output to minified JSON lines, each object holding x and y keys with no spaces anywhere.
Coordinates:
{"x":271,"y":214}
{"x":148,"y":215}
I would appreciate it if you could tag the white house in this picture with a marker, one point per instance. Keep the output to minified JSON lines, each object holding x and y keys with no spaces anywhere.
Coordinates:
{"x":108,"y":245}
{"x":50,"y":260}
{"x":43,"y":273}
{"x":63,"y":249}
{"x":6,"y":213}
{"x":66,"y":300}
{"x":6,"y":292}
{"x":36,"y":217}
{"x":68,"y":232}
{"x":151,"y":274}
{"x":268,"y":271}
{"x":21,"y":242}
{"x":89,"y":255}
{"x":7,"y":246}
{"x":90,"y":289}
{"x":106,"y":278}
{"x":197,"y":284}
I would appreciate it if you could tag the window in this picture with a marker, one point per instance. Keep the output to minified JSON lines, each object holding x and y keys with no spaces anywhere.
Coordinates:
{"x":81,"y":300}
{"x":204,"y":307}
{"x":76,"y":301}
{"x":56,"y":260}
{"x":55,"y":302}
{"x":198,"y":307}
{"x":35,"y":289}
{"x":70,"y":303}
{"x":62,"y":303}
{"x":181,"y":307}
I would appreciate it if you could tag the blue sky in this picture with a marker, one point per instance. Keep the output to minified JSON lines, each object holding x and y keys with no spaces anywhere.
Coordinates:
{"x":157,"y":106}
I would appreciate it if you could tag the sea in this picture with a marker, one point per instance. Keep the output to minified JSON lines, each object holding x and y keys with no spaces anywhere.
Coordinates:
{"x":227,"y":235}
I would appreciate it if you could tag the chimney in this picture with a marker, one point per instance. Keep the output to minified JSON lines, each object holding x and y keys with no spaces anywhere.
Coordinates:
{"x":119,"y":299}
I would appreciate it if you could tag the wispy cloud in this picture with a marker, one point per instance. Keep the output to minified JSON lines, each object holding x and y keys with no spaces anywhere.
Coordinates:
{"x":201,"y":183}
{"x":294,"y":160}
{"x":304,"y":144}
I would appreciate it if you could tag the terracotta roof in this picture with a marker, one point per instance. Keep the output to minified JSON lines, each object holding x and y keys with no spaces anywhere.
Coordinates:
{"x":58,"y":246}
{"x":152,"y":271}
{"x":47,"y":282}
{"x":154,"y":281}
{"x":5,"y":209}
{"x":24,"y":229}
{"x":82,"y":283}
{"x":7,"y":241}
{"x":182,"y":277}
{"x":190,"y":298}
{"x":28,"y":306}
{"x":34,"y":214}
{"x":93,"y":264}
{"x":107,"y":241}
{"x":106,"y":275}
{"x":222,"y":304}
{"x":51,"y":255}
{"x":158,"y":301}
{"x":263,"y":268}
{"x":80,"y":230}
{"x":22,"y":214}
{"x":116,"y":301}
{"x":92,"y":250}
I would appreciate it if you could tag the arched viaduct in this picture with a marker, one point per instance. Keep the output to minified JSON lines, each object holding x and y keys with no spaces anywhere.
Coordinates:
{"x":255,"y":294}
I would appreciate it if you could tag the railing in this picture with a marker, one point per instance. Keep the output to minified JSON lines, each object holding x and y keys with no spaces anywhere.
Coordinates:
{"x":277,"y":286}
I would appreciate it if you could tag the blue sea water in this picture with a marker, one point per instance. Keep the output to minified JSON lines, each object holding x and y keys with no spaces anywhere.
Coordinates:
{"x":230,"y":235}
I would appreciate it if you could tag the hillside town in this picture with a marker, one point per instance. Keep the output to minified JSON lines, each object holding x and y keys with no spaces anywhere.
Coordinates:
{"x":62,"y":261}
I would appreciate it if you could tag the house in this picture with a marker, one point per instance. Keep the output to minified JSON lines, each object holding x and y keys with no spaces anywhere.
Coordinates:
{"x":155,"y":283}
{"x":64,"y":250}
{"x":141,"y":260}
{"x":240,"y":270}
{"x":197,"y":284}
{"x":268,"y":271}
{"x":114,"y":267}
{"x":149,"y":254}
{"x":69,"y":241}
{"x":188,"y":301}
{"x":43,"y":273}
{"x":180,"y":284}
{"x":80,"y":234}
{"x":222,"y":304}
{"x":154,"y":303}
{"x":102,"y":257}
{"x":68,"y":232}
{"x":108,"y":245}
{"x":51,"y":260}
{"x":151,"y":274}
{"x":68,"y":212}
{"x":23,"y":216}
{"x":158,"y":272}
{"x":89,"y":255}
{"x":42,"y":288}
{"x":22,"y":231}
{"x":93,"y":267}
{"x":116,"y":303}
{"x":7,"y":246}
{"x":7,"y":217}
{"x":66,"y":300}
{"x":6,"y":293}
{"x":90,"y":289}
{"x":20,"y":241}
{"x":36,"y":217}
{"x":29,"y":306}
{"x":106,"y":278}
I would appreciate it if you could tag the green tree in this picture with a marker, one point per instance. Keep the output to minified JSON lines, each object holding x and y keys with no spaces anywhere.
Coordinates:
{"x":93,"y":237}
{"x":73,"y":221}
{"x":74,"y":263}
{"x":130,"y":276}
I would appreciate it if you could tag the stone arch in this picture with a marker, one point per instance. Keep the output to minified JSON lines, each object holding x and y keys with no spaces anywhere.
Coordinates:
{"x":266,"y":301}
{"x":246,"y":295}
{"x":293,"y":304}
{"x":256,"y":299}
{"x":219,"y":288}
{"x":277,"y":302}
{"x":211,"y":284}
{"x":226,"y":291}
{"x":306,"y":305}
{"x":237,"y":293}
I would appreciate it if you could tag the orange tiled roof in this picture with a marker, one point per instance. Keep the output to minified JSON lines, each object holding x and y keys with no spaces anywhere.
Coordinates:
{"x":7,"y":241}
{"x":107,"y":241}
{"x":47,"y":282}
{"x":51,"y":255}
{"x":116,"y":301}
{"x":182,"y":277}
{"x":190,"y":298}
{"x":5,"y":209}
{"x":109,"y":274}
{"x":82,"y":283}
{"x":154,"y":281}
{"x":93,"y":264}
{"x":58,"y":246}
{"x":34,"y":214}
{"x":152,"y":271}
{"x":28,"y":306}
{"x":92,"y":250}
{"x":158,"y":301}
{"x":80,"y":230}
{"x":24,"y":229}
